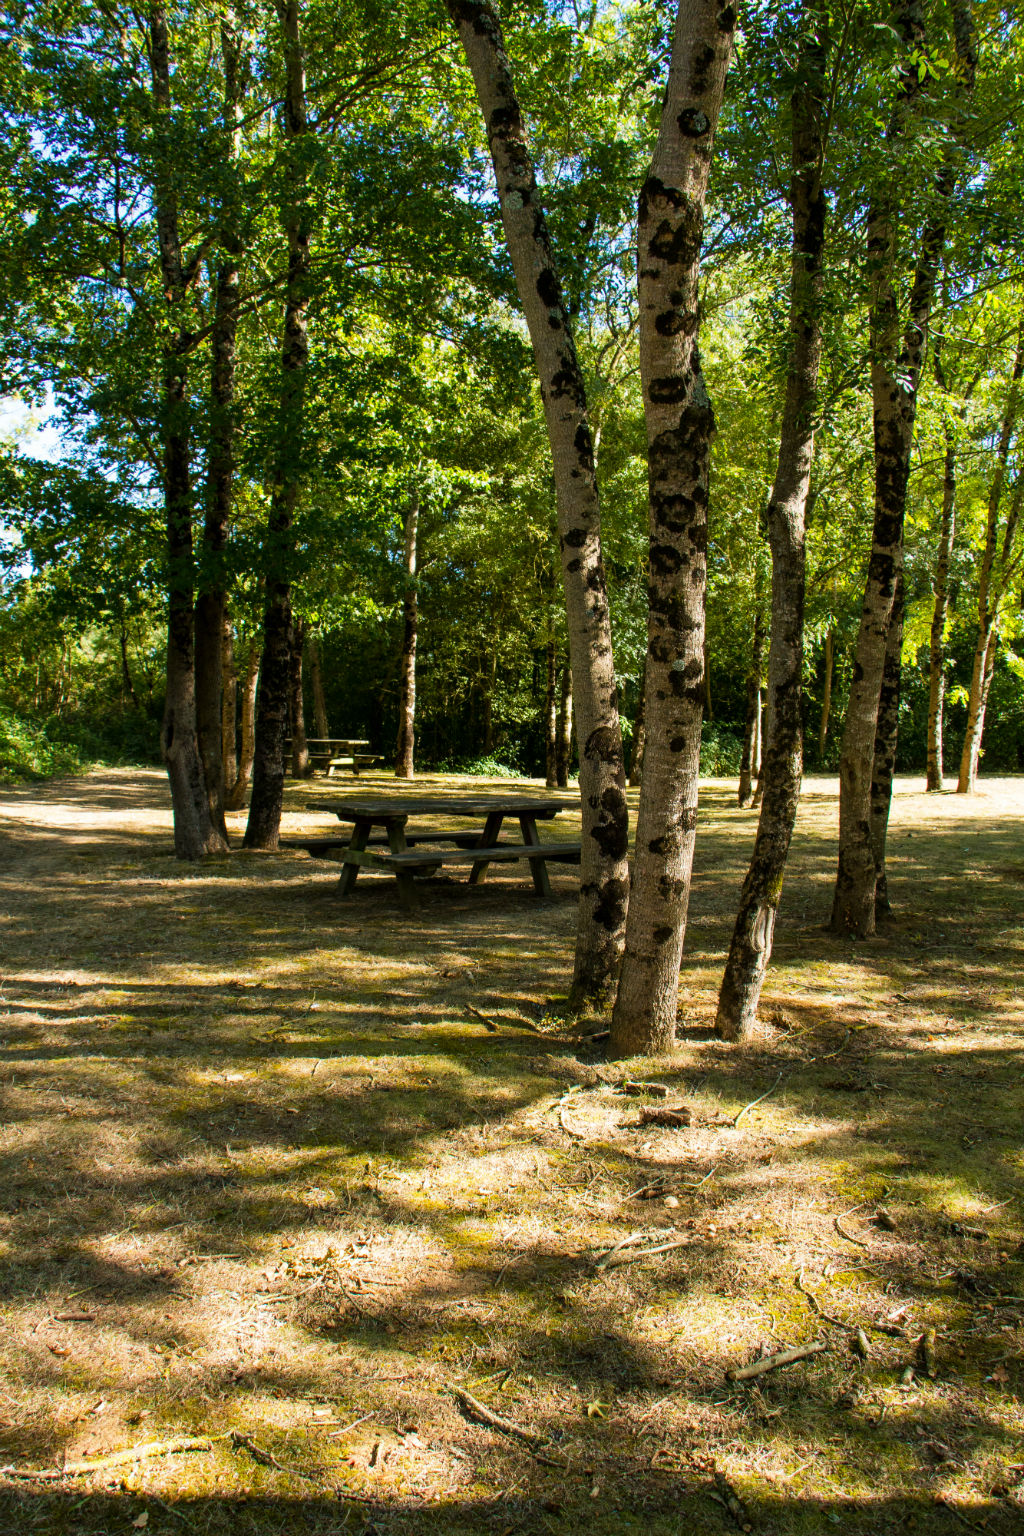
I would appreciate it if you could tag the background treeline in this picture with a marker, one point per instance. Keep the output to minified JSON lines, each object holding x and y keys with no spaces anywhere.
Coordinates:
{"x":420,"y":390}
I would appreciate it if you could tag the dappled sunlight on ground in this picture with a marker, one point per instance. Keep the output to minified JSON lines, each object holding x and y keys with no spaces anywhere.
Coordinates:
{"x":295,"y":1169}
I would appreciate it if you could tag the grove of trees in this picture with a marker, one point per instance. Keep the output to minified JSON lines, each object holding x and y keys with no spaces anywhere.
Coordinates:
{"x":477,"y":379}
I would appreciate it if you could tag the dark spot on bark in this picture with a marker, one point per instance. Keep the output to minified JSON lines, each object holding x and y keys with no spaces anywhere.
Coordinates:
{"x":678,"y":744}
{"x":610,"y":906}
{"x":604,"y":745}
{"x":574,"y":565}
{"x":584,"y":445}
{"x":727,"y":19}
{"x":659,"y":845}
{"x":655,"y":190}
{"x":554,"y":323}
{"x":567,"y":384}
{"x":664,"y":560}
{"x":677,"y":241}
{"x":548,"y":290}
{"x":663,"y":933}
{"x":595,"y":579}
{"x":700,"y":68}
{"x":670,"y":890}
{"x":670,"y":391}
{"x":576,"y":538}
{"x":673,"y":513}
{"x":693,"y":123}
{"x":675,"y":297}
{"x":670,"y":323}
{"x":688,"y":819}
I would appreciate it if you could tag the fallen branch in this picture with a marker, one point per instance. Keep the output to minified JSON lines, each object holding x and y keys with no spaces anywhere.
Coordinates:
{"x":754,"y":1102}
{"x":560,"y":1107}
{"x":247,"y":1443}
{"x":837,"y":1223}
{"x":772,"y":1362}
{"x":485,"y":1415}
{"x":494,"y":1026}
{"x":635,"y":1089}
{"x":677,"y":1116}
{"x":615,"y":1258}
{"x":115,"y":1459}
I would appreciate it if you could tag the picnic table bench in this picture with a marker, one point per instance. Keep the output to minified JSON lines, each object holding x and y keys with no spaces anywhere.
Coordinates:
{"x":407,"y":855}
{"x":331,"y":752}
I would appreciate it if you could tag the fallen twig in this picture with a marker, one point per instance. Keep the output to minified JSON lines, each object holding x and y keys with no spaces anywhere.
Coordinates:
{"x":482,"y":1017}
{"x":772,"y":1362}
{"x":247,"y":1443}
{"x":754,"y":1102}
{"x":469,"y":1404}
{"x":674,"y":1117}
{"x":560,"y":1108}
{"x":74,"y":1317}
{"x":615,"y":1258}
{"x":115,"y":1459}
{"x":837,"y":1223}
{"x":634,"y":1089}
{"x":816,"y":1304}
{"x":494,"y":1026}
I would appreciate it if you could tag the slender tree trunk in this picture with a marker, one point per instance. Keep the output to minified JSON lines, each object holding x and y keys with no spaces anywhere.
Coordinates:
{"x":936,"y":671}
{"x":680,"y":424}
{"x":604,"y":870}
{"x":886,"y":733}
{"x":895,"y":376}
{"x":296,"y":705}
{"x":564,"y":755}
{"x":316,"y":679}
{"x":636,"y":767}
{"x":826,"y":702}
{"x":550,"y":718}
{"x":404,"y":768}
{"x":195,"y":835}
{"x":126,"y":671}
{"x":264,"y":825}
{"x":229,"y":709}
{"x":247,"y":712}
{"x":750,"y":760}
{"x":211,"y":606}
{"x":751,"y":948}
{"x":991,"y":580}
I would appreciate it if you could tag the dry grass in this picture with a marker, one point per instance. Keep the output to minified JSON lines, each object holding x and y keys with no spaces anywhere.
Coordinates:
{"x":253,"y":1135}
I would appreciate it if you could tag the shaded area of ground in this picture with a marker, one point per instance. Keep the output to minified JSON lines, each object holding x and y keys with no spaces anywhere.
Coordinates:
{"x":266,"y":1170}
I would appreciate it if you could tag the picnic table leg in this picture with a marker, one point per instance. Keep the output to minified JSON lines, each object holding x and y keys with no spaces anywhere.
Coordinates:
{"x":407,"y":892}
{"x":357,"y":842}
{"x":487,"y":839}
{"x":538,"y":868}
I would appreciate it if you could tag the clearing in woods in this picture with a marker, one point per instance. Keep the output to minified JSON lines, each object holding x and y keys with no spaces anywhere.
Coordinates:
{"x":283,"y":1174}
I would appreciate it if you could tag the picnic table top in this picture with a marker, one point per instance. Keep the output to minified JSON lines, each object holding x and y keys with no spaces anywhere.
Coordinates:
{"x":335,"y":741}
{"x":383,"y":808}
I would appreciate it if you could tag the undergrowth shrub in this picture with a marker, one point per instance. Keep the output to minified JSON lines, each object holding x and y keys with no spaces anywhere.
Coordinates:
{"x":28,"y":752}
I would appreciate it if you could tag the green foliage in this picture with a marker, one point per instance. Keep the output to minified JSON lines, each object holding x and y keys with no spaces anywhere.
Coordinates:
{"x":27,"y":751}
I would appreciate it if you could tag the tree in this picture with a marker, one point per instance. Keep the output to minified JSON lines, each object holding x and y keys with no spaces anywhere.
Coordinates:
{"x":680,"y":424}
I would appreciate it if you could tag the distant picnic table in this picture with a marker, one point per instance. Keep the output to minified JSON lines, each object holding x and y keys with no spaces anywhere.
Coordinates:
{"x":380,"y":839}
{"x":331,"y":752}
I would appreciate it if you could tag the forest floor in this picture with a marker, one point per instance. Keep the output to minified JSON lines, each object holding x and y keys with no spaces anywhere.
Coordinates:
{"x":271,"y":1183}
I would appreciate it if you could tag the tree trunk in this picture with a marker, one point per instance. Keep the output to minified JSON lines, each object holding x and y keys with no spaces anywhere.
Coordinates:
{"x":229,"y":710}
{"x":680,"y":424}
{"x":895,"y":376}
{"x":886,"y":733}
{"x":550,"y":719}
{"x":316,"y":679}
{"x":750,"y":760}
{"x":636,"y":767}
{"x":296,"y":706}
{"x":936,"y":672}
{"x":247,"y":712}
{"x":264,"y":825}
{"x":826,"y":702}
{"x":126,"y":671}
{"x":782,"y":758}
{"x":991,"y":581}
{"x":564,"y":754}
{"x":211,"y":606}
{"x":195,"y":835}
{"x":604,"y":870}
{"x":404,"y":768}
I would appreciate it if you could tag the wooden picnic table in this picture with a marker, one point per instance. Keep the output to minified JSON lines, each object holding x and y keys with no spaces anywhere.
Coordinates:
{"x":336,"y":752}
{"x":406,"y":855}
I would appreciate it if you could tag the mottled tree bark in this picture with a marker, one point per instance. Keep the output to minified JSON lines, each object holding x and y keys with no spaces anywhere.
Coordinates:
{"x":195,"y":834}
{"x":604,"y":870}
{"x":895,"y":376}
{"x":826,"y":702}
{"x":550,"y":717}
{"x":782,"y":755}
{"x":750,"y":760}
{"x":211,"y":606}
{"x":992,"y":577}
{"x":404,"y":767}
{"x":884,"y":760}
{"x":636,"y":766}
{"x":229,"y":708}
{"x":296,"y":703}
{"x":937,"y":647}
{"x":680,"y":425}
{"x":247,"y":727}
{"x":264,"y":824}
{"x":564,"y":754}
{"x":316,"y":680}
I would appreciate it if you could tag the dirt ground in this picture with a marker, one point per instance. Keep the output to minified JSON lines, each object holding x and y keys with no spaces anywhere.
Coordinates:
{"x":272,"y":1185}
